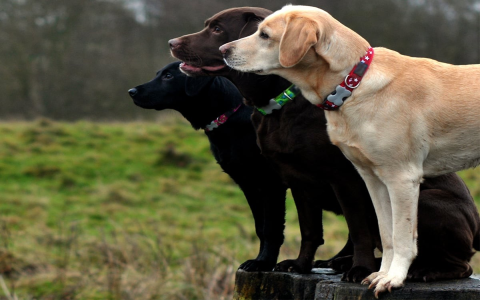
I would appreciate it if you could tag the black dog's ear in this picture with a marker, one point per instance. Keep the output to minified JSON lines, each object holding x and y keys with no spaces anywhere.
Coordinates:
{"x":194,"y":85}
{"x":251,"y":23}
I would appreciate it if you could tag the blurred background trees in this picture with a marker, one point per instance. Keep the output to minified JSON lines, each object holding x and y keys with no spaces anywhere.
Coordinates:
{"x":70,"y":60}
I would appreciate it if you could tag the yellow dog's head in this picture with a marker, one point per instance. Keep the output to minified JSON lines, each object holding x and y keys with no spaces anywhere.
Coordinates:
{"x":282,"y":40}
{"x":296,"y":38}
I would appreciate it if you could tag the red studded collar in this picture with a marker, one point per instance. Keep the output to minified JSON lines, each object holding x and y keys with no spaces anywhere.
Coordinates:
{"x":221,"y":119}
{"x":351,"y":82}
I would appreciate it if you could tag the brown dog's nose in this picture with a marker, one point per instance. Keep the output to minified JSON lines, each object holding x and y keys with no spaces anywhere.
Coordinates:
{"x":173,"y":43}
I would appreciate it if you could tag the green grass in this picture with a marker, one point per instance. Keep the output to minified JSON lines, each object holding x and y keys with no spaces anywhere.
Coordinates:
{"x":128,"y":211}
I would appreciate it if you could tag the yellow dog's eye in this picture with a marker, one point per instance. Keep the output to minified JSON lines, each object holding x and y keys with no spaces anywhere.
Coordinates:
{"x":263,"y":35}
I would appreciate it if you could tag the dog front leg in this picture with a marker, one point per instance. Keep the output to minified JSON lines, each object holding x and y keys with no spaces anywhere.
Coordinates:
{"x":354,"y":199}
{"x":309,"y":208}
{"x":403,"y":190}
{"x":268,"y":209}
{"x":381,"y":202}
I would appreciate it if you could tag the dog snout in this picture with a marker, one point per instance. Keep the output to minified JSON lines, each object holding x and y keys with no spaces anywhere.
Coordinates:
{"x":173,"y":43}
{"x":132,"y":92}
{"x":225,"y":49}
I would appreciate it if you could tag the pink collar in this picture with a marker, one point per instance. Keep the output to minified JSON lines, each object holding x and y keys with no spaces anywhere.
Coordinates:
{"x":351,"y":82}
{"x":221,"y":119}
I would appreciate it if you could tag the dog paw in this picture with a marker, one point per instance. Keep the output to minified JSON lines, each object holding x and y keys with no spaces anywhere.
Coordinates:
{"x":356,"y":274}
{"x":293,"y":266}
{"x":432,"y":274}
{"x":342,"y":264}
{"x":422,"y":274}
{"x":254,"y":265}
{"x":385,"y":282}
{"x":322,"y":264}
{"x":370,"y":278}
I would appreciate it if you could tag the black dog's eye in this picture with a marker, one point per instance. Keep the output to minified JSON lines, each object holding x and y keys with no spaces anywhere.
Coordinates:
{"x":217,"y":29}
{"x":263,"y":35}
{"x":167,"y":76}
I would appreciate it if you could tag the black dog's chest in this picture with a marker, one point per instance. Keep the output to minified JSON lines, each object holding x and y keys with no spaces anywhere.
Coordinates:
{"x":233,"y":144}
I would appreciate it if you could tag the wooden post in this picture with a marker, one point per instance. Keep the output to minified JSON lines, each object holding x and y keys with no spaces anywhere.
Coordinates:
{"x":289,"y":286}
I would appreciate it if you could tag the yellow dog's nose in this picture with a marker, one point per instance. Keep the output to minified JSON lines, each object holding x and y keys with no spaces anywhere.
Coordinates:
{"x":225,"y":49}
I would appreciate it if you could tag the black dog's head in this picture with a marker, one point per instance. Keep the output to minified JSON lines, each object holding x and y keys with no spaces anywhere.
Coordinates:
{"x":199,"y":99}
{"x":169,"y":89}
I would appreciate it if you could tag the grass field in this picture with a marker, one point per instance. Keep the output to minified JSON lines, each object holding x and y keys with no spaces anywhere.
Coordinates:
{"x":128,"y":211}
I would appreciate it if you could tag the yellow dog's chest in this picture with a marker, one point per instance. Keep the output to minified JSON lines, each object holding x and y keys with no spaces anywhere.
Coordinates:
{"x":342,"y":136}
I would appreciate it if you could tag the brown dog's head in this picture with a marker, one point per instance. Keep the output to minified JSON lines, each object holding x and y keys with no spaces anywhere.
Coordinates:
{"x":296,"y":38}
{"x":199,"y":51}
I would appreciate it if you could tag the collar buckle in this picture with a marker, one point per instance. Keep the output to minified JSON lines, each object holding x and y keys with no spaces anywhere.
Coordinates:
{"x":221,"y":119}
{"x":353,"y":79}
{"x":278,"y":102}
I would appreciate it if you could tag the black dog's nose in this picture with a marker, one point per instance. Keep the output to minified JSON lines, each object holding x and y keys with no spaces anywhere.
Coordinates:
{"x":132,"y":92}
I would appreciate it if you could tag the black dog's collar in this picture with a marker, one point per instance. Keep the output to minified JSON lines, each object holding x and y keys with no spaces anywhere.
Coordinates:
{"x":221,"y":119}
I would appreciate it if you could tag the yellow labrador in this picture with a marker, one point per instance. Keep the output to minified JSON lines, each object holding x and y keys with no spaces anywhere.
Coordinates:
{"x":408,"y":118}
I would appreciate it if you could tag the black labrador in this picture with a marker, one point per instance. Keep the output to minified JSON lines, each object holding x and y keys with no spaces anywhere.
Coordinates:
{"x":294,"y":138}
{"x":202,"y":100}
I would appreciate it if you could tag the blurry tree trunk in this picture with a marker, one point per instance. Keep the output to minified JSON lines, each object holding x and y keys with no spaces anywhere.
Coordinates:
{"x":34,"y":89}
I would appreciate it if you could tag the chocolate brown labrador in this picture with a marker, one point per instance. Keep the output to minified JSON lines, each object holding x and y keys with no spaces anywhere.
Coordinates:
{"x":294,"y":138}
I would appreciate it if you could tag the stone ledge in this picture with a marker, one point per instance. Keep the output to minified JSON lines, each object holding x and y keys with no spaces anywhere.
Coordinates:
{"x":289,"y":286}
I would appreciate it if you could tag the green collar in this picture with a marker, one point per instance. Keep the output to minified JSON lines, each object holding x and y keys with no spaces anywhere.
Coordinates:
{"x":280,"y":100}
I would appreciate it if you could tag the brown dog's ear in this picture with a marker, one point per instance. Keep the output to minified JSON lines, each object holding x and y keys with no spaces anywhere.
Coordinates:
{"x":299,"y":36}
{"x":252,"y":19}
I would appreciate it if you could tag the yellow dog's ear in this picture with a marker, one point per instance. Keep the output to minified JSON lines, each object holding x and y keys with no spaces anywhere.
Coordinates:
{"x":299,"y":36}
